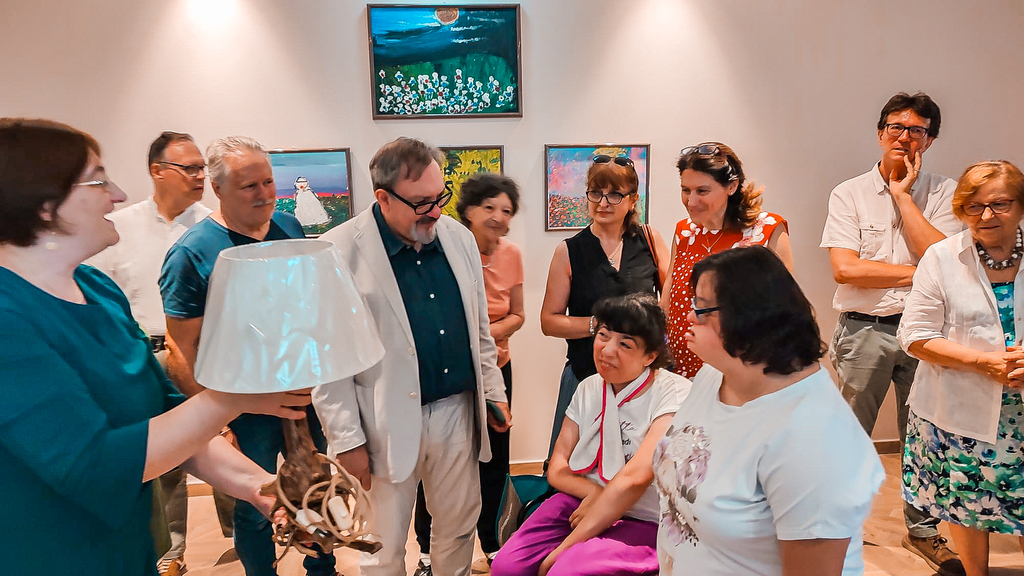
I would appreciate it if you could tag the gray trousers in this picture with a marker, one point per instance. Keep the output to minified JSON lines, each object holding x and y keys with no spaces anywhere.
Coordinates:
{"x":867,"y":358}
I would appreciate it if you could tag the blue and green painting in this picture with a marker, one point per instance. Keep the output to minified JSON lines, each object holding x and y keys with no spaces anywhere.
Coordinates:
{"x":444,"y":60}
{"x":315,"y":186}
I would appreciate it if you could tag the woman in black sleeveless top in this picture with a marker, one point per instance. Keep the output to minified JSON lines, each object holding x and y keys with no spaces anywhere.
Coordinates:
{"x":610,"y":257}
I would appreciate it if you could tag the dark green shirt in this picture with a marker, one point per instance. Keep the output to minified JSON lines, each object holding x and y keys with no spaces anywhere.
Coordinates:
{"x":433,"y":304}
{"x":79,"y":384}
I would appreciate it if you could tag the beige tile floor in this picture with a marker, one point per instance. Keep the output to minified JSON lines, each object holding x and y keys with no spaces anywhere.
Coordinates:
{"x":209,"y":554}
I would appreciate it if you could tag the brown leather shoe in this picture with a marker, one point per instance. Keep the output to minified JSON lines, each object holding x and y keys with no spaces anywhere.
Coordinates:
{"x":171,"y":567}
{"x":936,"y":553}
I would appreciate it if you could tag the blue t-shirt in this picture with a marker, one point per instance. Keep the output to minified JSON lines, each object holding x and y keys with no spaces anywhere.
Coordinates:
{"x":79,"y":384}
{"x":185,"y":276}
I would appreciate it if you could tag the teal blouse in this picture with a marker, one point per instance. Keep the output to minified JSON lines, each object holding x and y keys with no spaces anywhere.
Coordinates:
{"x":1004,"y":302}
{"x":78,"y":385}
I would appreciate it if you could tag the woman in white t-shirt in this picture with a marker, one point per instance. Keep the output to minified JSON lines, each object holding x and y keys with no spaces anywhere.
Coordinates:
{"x":764,"y":469}
{"x":603,"y":520}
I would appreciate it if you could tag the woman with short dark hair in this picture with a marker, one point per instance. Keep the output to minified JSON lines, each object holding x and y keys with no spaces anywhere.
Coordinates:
{"x":764,"y":469}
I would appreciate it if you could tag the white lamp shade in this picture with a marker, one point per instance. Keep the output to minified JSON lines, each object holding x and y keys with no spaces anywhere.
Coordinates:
{"x":283,"y":315}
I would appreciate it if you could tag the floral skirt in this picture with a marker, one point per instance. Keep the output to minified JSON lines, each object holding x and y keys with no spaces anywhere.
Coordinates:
{"x":966,"y":481}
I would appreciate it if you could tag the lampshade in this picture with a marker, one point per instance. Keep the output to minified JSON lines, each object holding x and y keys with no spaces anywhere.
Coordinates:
{"x":283,"y":315}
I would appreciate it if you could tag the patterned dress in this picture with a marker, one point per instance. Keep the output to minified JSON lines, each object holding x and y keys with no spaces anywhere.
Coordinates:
{"x":692,"y":244}
{"x":967,"y":481}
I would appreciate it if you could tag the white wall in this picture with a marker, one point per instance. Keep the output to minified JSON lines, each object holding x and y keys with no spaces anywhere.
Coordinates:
{"x":794,"y":86}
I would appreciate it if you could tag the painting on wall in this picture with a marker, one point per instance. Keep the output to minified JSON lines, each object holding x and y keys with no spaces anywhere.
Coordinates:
{"x":443,"y":61}
{"x":461,"y":163}
{"x":566,"y":186}
{"x":315,"y":186}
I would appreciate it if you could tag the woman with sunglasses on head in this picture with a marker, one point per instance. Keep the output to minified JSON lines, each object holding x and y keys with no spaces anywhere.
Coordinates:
{"x":964,"y":455}
{"x":724,"y":212}
{"x":613,"y":256}
{"x":603,"y":520}
{"x":88,"y":419}
{"x":764,"y":469}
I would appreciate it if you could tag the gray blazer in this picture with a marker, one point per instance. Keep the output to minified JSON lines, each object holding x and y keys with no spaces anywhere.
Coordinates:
{"x":381,"y":406}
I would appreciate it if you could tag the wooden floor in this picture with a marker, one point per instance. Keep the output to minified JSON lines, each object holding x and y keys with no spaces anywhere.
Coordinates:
{"x":209,"y":554}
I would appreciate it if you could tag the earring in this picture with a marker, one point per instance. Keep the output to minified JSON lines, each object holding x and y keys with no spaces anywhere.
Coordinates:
{"x":52,"y":244}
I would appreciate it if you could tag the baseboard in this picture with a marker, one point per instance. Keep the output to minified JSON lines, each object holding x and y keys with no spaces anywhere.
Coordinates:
{"x":887,"y":446}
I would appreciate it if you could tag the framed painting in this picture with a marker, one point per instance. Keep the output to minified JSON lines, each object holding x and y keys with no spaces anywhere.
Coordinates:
{"x":565,"y":189}
{"x":431,"y":61}
{"x":315,"y":186}
{"x":461,"y":163}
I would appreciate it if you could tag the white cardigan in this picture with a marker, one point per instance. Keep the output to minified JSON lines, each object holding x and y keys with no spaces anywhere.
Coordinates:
{"x":952,"y":298}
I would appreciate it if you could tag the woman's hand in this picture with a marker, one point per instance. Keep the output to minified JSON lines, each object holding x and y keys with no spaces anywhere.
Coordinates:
{"x":264,"y":503}
{"x":281,"y":404}
{"x":1006,"y":368}
{"x":549,"y":561}
{"x":584,"y":507}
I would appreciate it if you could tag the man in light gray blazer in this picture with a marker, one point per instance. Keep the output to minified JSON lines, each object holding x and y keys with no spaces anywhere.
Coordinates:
{"x":420,"y":414}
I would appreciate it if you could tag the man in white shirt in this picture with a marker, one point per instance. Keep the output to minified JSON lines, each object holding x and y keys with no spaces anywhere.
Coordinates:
{"x":148,"y":229}
{"x":879,"y":225}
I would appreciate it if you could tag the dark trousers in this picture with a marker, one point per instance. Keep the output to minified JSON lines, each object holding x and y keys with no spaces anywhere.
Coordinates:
{"x":492,"y":484}
{"x":261,"y":439}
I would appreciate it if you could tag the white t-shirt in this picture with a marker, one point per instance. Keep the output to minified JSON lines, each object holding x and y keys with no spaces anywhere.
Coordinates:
{"x":734,"y":480}
{"x":665,"y":395}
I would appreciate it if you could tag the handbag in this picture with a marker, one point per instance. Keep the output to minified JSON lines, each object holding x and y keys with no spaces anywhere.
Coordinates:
{"x":523,"y":494}
{"x":645,"y":229}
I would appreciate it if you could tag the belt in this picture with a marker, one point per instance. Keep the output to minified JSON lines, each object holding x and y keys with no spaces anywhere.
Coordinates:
{"x":893,"y":320}
{"x":158,"y":343}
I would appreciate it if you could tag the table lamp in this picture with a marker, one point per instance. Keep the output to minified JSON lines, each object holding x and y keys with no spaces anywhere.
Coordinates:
{"x":282,"y":316}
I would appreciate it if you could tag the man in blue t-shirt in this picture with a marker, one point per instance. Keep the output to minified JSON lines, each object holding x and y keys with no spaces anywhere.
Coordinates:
{"x":241,"y":176}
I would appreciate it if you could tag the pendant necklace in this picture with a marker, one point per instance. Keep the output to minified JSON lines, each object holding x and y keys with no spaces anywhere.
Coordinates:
{"x":708,"y":248}
{"x":611,"y":257}
{"x":1015,"y":255}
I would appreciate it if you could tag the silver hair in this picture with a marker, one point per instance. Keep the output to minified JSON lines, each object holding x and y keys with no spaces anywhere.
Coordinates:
{"x":221,"y":148}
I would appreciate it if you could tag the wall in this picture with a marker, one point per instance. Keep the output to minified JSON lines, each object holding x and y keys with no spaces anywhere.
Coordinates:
{"x":794,"y":86}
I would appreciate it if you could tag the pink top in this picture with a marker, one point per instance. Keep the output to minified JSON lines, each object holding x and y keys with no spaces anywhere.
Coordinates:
{"x":503,"y":270}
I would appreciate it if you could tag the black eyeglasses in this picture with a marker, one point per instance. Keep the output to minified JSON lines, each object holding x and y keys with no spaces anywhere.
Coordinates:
{"x":620,"y":160}
{"x":895,"y":130}
{"x":710,"y":151}
{"x":698,"y":312}
{"x":997,"y":207}
{"x":190,"y":170}
{"x":423,"y":208}
{"x":613,"y":197}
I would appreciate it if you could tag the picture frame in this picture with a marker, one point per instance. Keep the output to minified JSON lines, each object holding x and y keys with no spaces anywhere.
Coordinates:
{"x":565,"y":184}
{"x":315,"y":186}
{"x":443,"y":61}
{"x":461,"y":162}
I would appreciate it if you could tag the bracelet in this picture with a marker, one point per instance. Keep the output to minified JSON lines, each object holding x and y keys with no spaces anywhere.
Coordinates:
{"x":592,"y":319}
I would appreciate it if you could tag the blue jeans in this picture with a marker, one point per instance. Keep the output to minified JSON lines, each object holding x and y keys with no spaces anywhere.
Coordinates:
{"x":566,"y":388}
{"x":261,"y":439}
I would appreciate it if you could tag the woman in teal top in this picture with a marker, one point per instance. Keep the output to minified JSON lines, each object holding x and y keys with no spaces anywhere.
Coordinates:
{"x":88,"y":418}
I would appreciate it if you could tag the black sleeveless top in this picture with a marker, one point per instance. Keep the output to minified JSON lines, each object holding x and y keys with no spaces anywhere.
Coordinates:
{"x":594,"y":278}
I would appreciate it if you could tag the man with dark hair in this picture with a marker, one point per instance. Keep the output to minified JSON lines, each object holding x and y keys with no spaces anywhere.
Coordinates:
{"x":148,"y":229}
{"x":879,"y":225}
{"x":420,"y":413}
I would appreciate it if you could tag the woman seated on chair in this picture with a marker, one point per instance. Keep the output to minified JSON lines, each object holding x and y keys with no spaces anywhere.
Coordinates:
{"x":604,"y":518}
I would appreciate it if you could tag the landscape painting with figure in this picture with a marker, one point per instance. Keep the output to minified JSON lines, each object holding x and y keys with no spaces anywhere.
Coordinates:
{"x":314,"y":186}
{"x":461,"y":163}
{"x":438,"y":61}
{"x":566,"y":185}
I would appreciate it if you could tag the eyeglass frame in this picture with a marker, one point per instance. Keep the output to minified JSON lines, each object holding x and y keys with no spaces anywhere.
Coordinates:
{"x":990,"y":206}
{"x":904,"y":128}
{"x":623,"y":161}
{"x":441,"y":201}
{"x":698,"y":312}
{"x":711,"y":150}
{"x":187,"y":168}
{"x":93,"y":183}
{"x":607,"y":196}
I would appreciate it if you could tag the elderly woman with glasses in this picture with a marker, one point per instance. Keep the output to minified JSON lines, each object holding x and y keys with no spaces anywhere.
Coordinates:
{"x":724,"y":212}
{"x":764,"y":469}
{"x":964,"y":455}
{"x":88,"y":418}
{"x":613,"y":256}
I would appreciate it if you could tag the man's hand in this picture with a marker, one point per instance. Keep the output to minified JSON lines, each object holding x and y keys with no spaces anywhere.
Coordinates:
{"x":493,"y":422}
{"x":900,"y":189}
{"x":357,"y":463}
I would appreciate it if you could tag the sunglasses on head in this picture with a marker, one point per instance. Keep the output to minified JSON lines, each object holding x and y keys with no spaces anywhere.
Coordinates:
{"x":620,"y":160}
{"x":710,"y":151}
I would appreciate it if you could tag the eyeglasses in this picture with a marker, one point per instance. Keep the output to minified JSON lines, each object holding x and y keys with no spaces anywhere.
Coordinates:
{"x":93,"y":183}
{"x":997,"y":207}
{"x":423,"y":208}
{"x":620,"y":160}
{"x":698,"y":312}
{"x":190,"y":170}
{"x":895,"y":130}
{"x":613,"y":197}
{"x":710,"y":151}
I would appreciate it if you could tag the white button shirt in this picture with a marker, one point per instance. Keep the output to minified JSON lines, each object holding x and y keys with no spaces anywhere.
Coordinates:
{"x":134,"y":262}
{"x":862,"y":217}
{"x":953,"y":299}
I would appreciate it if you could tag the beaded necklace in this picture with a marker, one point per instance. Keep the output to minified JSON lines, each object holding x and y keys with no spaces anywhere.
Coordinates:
{"x":1015,"y":255}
